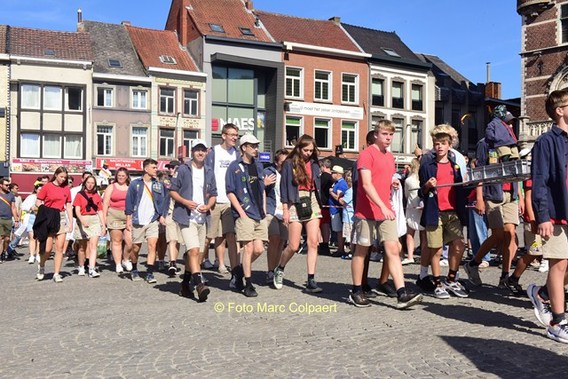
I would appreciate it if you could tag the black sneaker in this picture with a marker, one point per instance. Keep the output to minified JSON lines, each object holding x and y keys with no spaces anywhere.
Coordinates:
{"x":385,"y":289}
{"x":236,"y":282}
{"x":359,"y":300}
{"x":186,"y":291}
{"x":408,"y":299}
{"x":250,"y":291}
{"x":3,"y":256}
{"x":426,"y":284}
{"x":369,"y":292}
{"x":514,"y":287}
{"x":172,"y":270}
{"x":312,"y":287}
{"x":202,"y":291}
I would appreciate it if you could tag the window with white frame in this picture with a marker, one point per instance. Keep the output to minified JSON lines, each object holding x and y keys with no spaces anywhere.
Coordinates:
{"x":378,"y":92}
{"x":188,"y":137}
{"x":73,"y":98}
{"x":293,"y":130}
{"x":349,"y":135}
{"x":322,"y":129}
{"x":294,"y":82}
{"x":139,"y":99}
{"x":30,"y":96}
{"x":397,"y":95}
{"x":29,"y":145}
{"x":322,"y":86}
{"x":51,"y":146}
{"x":139,"y":142}
{"x":417,"y":97}
{"x":167,"y":100}
{"x":52,"y":98}
{"x":416,"y":134}
{"x":397,"y":145}
{"x":190,"y":103}
{"x":73,"y":146}
{"x":349,"y":88}
{"x":166,"y":142}
{"x":105,"y":97}
{"x":104,"y":140}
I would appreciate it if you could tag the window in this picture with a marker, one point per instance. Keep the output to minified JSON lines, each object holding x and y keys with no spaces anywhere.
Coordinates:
{"x":52,"y":146}
{"x":167,"y":100}
{"x":349,"y":135}
{"x":104,"y":140}
{"x":52,"y":99}
{"x":293,"y":82}
{"x":390,"y":52}
{"x":190,"y":103}
{"x":139,"y":142}
{"x":167,"y":59}
{"x":397,"y":95}
{"x":139,"y":99}
{"x":29,"y":145}
{"x":377,"y":92}
{"x":49,"y":52}
{"x":322,"y":86}
{"x":293,"y":130}
{"x":349,"y":88}
{"x":105,"y":97}
{"x":246,"y":31}
{"x":216,"y":28}
{"x":30,"y":96}
{"x":416,"y":135}
{"x":321,"y":133}
{"x":417,"y":97}
{"x":73,"y":146}
{"x":564,"y":22}
{"x":114,"y":63}
{"x":398,"y":138}
{"x":166,"y":142}
{"x":188,"y":137}
{"x":74,"y":98}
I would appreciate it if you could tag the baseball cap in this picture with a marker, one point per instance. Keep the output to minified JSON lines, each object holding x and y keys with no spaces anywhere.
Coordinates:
{"x":199,"y":142}
{"x":249,"y":138}
{"x":173,"y":164}
{"x":508,"y":117}
{"x":338,"y":169}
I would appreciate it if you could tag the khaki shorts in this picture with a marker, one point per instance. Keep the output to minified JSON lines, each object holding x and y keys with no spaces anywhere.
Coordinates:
{"x":512,"y":151}
{"x":347,"y":226}
{"x":221,"y":215}
{"x":62,"y":223}
{"x":316,"y":211}
{"x":250,"y":230}
{"x":533,"y":242}
{"x":116,"y":219}
{"x":449,"y":229}
{"x":193,"y":236}
{"x":499,"y":214}
{"x":140,"y":233}
{"x":5,"y":227}
{"x":366,"y":231}
{"x":93,"y":230}
{"x":555,"y":246}
{"x":276,"y":227}
{"x":173,"y":232}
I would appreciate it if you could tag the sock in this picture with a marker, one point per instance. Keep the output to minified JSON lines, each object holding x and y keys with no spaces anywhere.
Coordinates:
{"x":473,"y":263}
{"x":423,"y":272}
{"x":437,"y":281}
{"x":248,"y":282}
{"x":557,"y":318}
{"x":311,"y":276}
{"x":514,"y":279}
{"x":504,"y":274}
{"x":356,"y":289}
{"x":186,"y":277}
{"x":543,"y":293}
{"x":150,"y":269}
{"x":401,"y":291}
{"x":134,"y":266}
{"x":452,"y":275}
{"x":281,"y":268}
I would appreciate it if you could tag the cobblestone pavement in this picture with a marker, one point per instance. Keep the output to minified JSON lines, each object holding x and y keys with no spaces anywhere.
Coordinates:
{"x":113,"y":327}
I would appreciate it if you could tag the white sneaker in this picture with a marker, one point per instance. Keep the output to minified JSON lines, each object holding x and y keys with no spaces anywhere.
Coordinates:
{"x":37,"y":258}
{"x":444,"y":263}
{"x":93,"y":273}
{"x":119,"y":269}
{"x":207,"y":265}
{"x":223,"y":270}
{"x":31,"y":259}
{"x":127,"y":265}
{"x":57,"y":278}
{"x":40,"y":273}
{"x":543,"y":266}
{"x":81,"y":270}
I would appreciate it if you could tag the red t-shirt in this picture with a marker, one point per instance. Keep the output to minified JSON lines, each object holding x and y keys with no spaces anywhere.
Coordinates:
{"x":382,"y":169}
{"x":310,"y":186}
{"x":446,"y":195}
{"x":80,"y":201}
{"x":54,"y":196}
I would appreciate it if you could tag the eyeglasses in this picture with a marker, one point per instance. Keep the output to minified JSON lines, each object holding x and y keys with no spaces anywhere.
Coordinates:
{"x":231,"y":134}
{"x":253,"y":146}
{"x":562,"y":106}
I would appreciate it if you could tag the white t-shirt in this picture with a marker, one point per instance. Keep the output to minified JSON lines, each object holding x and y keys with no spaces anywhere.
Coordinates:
{"x":223,"y":159}
{"x":278,"y":212}
{"x":146,"y":208}
{"x":198,"y":179}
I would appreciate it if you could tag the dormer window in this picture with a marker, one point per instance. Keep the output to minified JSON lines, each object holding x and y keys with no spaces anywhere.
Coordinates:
{"x":246,"y":31}
{"x":167,"y":59}
{"x":114,"y":63}
{"x":216,"y":28}
{"x":390,"y":52}
{"x":49,"y":52}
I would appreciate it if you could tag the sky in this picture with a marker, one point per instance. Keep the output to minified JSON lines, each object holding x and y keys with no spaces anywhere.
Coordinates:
{"x":466,"y":34}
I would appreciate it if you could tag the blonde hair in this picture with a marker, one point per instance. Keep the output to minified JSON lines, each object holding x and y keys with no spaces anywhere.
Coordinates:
{"x":445,"y":131}
{"x":414,"y":166}
{"x":385,"y":125}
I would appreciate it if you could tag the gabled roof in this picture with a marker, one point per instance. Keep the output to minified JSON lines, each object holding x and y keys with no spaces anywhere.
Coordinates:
{"x":441,"y":67}
{"x":321,"y":33}
{"x":231,"y":15}
{"x":152,"y":44}
{"x":50,"y":44}
{"x":112,"y":42}
{"x":3,"y":35}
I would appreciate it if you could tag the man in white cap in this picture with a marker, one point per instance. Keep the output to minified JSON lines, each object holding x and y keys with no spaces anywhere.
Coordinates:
{"x":336,"y":192}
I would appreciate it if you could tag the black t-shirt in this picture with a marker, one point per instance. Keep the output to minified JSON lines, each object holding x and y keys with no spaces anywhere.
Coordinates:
{"x":326,"y":184}
{"x":254,"y":184}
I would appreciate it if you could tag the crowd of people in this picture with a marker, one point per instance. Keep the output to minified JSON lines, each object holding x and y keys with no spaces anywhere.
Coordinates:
{"x":224,"y":196}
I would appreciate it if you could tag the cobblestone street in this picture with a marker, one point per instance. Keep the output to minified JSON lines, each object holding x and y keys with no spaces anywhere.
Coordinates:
{"x":113,"y":327}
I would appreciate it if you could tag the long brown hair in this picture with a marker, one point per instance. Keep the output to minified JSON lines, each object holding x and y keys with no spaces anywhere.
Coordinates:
{"x":84,"y":185}
{"x":298,"y":163}
{"x":58,"y":171}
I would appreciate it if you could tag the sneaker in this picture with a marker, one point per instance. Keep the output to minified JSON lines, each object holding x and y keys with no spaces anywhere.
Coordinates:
{"x":514,"y":287}
{"x":407,"y":261}
{"x":172,"y":270}
{"x":503,"y":282}
{"x":119,"y":270}
{"x":312,"y":286}
{"x":368,"y":291}
{"x":38,"y":258}
{"x":278,"y":278}
{"x":375,"y":257}
{"x":426,"y":284}
{"x":135,"y":276}
{"x":207,"y":265}
{"x":483,"y":264}
{"x":150,"y":278}
{"x":31,"y":259}
{"x":186,"y":291}
{"x":40,"y":273}
{"x":127,"y":265}
{"x":543,"y":266}
{"x":347,"y":256}
{"x":444,"y":263}
{"x":359,"y":300}
{"x":223,"y":269}
{"x":541,"y":310}
{"x":472,"y":273}
{"x":3,"y":257}
{"x":93,"y":273}
{"x":57,"y":278}
{"x":558,"y":332}
{"x":269,"y":278}
{"x":202,"y":291}
{"x":161,"y":266}
{"x":455,"y":287}
{"x":250,"y":291}
{"x":385,"y":289}
{"x":408,"y":299}
{"x":441,"y":293}
{"x":237,"y":277}
{"x":81,"y":270}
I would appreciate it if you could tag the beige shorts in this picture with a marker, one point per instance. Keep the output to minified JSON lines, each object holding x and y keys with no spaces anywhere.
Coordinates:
{"x":316,"y":211}
{"x":499,"y":214}
{"x":250,"y":230}
{"x":367,"y":231}
{"x":449,"y":229}
{"x":276,"y":227}
{"x":512,"y":151}
{"x":221,"y":216}
{"x":93,"y":230}
{"x":140,"y":233}
{"x":556,"y":246}
{"x":347,"y":226}
{"x":193,"y":236}
{"x":533,"y":242}
{"x":62,"y":223}
{"x":116,"y":219}
{"x":173,"y":232}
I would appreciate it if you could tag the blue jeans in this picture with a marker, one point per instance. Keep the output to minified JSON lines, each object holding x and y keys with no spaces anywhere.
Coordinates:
{"x":477,"y":231}
{"x":14,"y":243}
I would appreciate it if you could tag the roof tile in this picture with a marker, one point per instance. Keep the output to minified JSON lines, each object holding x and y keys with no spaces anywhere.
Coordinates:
{"x":65,"y":45}
{"x":3,"y":34}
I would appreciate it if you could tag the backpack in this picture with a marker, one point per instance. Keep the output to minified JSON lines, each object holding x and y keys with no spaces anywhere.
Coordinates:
{"x":90,"y":204}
